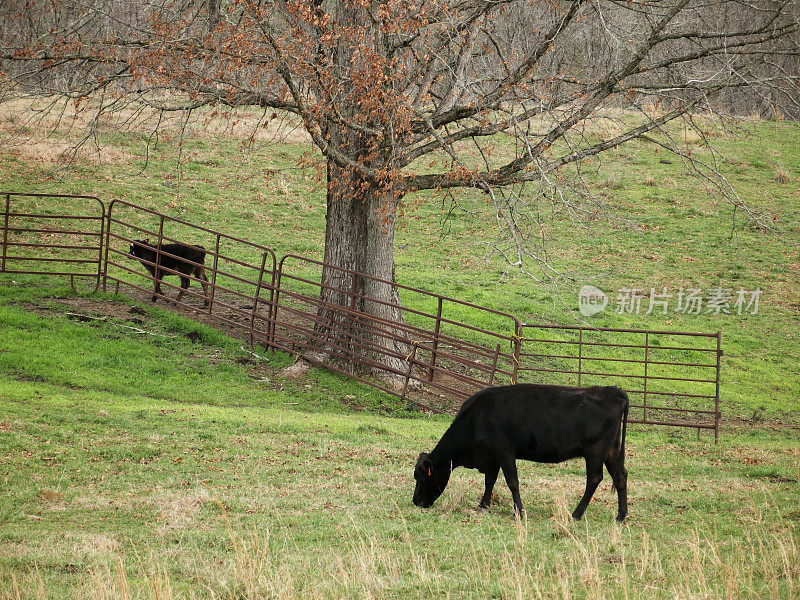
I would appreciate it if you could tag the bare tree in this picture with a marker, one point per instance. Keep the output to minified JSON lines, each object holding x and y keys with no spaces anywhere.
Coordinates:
{"x":400,"y":96}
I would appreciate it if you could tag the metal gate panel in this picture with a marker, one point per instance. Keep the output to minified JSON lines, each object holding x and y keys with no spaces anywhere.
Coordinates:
{"x":52,"y":234}
{"x":671,"y":377}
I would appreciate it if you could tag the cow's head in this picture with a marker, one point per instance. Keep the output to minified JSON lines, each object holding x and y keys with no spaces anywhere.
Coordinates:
{"x":431,"y":481}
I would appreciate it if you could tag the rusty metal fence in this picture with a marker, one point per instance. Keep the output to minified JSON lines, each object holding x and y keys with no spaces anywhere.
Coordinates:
{"x":47,"y":234}
{"x":424,"y":347}
{"x":671,"y":377}
{"x":429,"y":349}
{"x":241,"y":274}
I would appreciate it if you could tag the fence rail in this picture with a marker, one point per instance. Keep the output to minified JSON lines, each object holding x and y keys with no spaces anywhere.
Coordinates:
{"x":429,"y":349}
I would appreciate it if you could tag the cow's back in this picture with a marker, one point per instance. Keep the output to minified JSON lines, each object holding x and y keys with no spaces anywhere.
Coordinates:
{"x":539,"y":422}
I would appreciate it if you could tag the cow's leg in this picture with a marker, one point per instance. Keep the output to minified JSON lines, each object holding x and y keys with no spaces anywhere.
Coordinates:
{"x":490,"y":478}
{"x":594,"y":475}
{"x":152,"y":271}
{"x":510,"y":473}
{"x":620,"y":478}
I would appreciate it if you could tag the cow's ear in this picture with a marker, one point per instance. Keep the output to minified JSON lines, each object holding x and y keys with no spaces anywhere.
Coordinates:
{"x":426,"y":465}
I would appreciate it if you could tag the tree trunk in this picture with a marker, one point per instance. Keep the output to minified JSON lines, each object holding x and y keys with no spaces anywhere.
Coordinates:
{"x":359,"y":235}
{"x":359,"y":238}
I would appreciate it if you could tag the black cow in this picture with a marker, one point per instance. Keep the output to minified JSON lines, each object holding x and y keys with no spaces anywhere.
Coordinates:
{"x":543,"y":423}
{"x":183,"y":260}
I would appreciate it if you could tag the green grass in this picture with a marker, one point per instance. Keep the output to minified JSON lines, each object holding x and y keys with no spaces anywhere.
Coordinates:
{"x":117,"y":487}
{"x":662,"y":229}
{"x":169,"y":357}
{"x":149,"y":465}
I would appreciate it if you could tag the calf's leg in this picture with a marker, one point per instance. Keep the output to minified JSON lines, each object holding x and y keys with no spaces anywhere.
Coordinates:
{"x":201,"y":275}
{"x":184,"y":287}
{"x":157,"y":290}
{"x":594,"y":475}
{"x":490,"y":478}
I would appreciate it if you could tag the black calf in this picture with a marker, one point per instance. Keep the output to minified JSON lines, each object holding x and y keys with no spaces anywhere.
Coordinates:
{"x":182,"y":260}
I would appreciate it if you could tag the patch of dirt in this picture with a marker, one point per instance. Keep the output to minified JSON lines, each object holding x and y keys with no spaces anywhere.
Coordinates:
{"x":85,"y":309}
{"x":779,"y":479}
{"x":50,"y":496}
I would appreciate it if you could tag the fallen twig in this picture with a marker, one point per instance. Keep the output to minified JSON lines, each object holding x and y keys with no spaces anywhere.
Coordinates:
{"x":253,"y":354}
{"x":85,"y":318}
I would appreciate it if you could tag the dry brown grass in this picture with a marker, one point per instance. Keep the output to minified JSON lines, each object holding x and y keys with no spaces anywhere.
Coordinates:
{"x":94,"y":545}
{"x":48,"y":152}
{"x":624,"y":562}
{"x":58,"y":137}
{"x":782,"y":175}
{"x":180,"y":510}
{"x":691,"y":137}
{"x":55,"y":132}
{"x":607,"y":127}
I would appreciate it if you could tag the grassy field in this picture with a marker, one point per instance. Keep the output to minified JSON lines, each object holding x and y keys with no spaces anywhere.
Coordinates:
{"x":127,"y":475}
{"x":143,"y":455}
{"x":660,"y":227}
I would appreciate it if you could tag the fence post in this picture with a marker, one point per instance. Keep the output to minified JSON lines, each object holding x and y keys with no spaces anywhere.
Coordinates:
{"x":156,"y":280}
{"x":108,"y":244}
{"x":580,"y":354}
{"x":646,"y":354}
{"x":214,"y":276}
{"x":494,"y":364}
{"x":100,"y":251}
{"x":273,"y":309}
{"x":716,"y":395}
{"x":411,"y":359}
{"x":255,"y":300}
{"x":517,"y":350}
{"x":5,"y":231}
{"x":277,"y":279}
{"x":436,"y":330}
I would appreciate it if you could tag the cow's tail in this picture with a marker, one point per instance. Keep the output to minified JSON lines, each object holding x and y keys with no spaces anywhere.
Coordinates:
{"x":621,"y":462}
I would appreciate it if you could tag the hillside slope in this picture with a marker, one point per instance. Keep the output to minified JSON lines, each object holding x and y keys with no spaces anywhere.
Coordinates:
{"x":655,"y":227}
